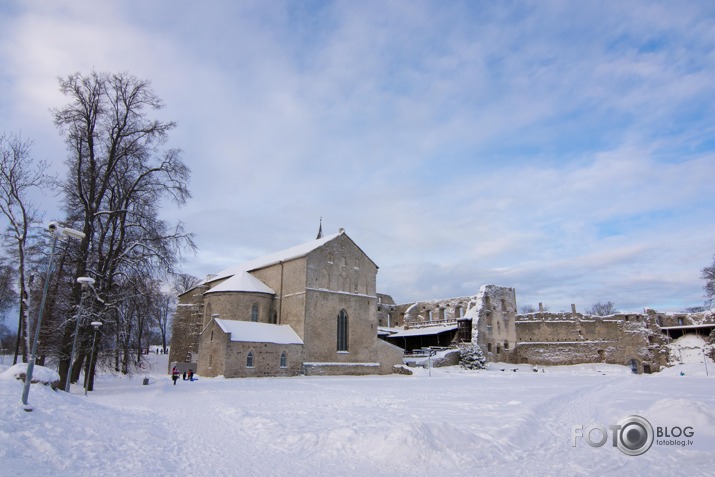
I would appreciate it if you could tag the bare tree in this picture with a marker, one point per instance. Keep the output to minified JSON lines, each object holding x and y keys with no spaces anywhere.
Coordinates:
{"x":163,"y":313}
{"x":118,"y":175}
{"x":526,"y":309}
{"x":19,"y":173}
{"x":708,"y":274}
{"x":183,"y":282}
{"x":165,"y":304}
{"x":603,"y":309}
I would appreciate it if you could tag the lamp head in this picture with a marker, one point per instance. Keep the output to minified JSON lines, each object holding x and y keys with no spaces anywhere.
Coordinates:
{"x":75,"y":234}
{"x":96,"y":324}
{"x":85,"y":281}
{"x":61,"y":232}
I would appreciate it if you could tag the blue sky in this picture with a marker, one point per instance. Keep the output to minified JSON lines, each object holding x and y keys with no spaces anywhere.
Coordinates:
{"x":562,"y":148}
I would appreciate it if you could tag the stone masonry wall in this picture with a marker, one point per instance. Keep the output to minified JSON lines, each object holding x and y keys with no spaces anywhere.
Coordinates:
{"x":186,"y":326}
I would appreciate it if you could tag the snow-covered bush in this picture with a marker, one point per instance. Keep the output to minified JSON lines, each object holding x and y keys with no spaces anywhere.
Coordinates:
{"x":471,"y":357}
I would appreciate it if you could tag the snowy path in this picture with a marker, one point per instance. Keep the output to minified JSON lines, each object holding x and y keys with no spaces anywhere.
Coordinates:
{"x":454,"y":422}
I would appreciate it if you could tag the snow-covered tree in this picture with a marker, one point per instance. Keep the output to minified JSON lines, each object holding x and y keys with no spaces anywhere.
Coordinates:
{"x":471,"y":357}
{"x":119,"y":173}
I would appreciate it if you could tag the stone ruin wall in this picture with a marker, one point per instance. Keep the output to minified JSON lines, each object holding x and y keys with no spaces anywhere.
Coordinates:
{"x":545,"y":338}
{"x":573,"y":338}
{"x":429,"y":312}
{"x":186,"y":328}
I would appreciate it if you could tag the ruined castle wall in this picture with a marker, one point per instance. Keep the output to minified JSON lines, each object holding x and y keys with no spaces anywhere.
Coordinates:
{"x":493,"y":322}
{"x":572,"y":338}
{"x":186,"y":326}
{"x":448,"y":309}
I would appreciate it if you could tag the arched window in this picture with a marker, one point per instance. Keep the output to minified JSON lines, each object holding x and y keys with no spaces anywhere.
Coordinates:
{"x":254,"y":312}
{"x":342,"y":331}
{"x":249,"y":359}
{"x":284,"y":360}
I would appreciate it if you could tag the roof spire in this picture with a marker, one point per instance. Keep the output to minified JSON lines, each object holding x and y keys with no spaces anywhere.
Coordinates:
{"x":320,"y":230}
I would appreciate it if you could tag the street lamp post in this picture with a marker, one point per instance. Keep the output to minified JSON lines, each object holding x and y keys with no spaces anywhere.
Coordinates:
{"x":85,"y":282}
{"x":96,"y":325}
{"x":705,"y":361}
{"x":57,"y":232}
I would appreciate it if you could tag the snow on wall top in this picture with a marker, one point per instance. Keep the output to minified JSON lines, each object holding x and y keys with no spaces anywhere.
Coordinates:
{"x":252,"y":332}
{"x":429,"y":330}
{"x":242,"y":282}
{"x":277,"y":257}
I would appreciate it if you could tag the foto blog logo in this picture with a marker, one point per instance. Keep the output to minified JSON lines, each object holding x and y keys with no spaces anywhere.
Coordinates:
{"x":633,"y":435}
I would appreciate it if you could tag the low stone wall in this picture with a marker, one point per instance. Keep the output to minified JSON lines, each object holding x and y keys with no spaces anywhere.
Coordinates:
{"x":338,"y":369}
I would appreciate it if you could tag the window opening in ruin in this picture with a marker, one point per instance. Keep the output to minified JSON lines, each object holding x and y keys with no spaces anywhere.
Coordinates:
{"x":357,"y":264}
{"x":254,"y":312}
{"x":459,"y":312}
{"x":503,"y":304}
{"x":274,"y":317}
{"x":441,"y":314}
{"x":430,"y":315}
{"x":680,"y":322}
{"x":249,"y":359}
{"x":498,"y":349}
{"x":284,"y":360}
{"x":330,"y":258}
{"x":342,"y":337}
{"x":506,"y":345}
{"x":489,"y":347}
{"x":212,"y":335}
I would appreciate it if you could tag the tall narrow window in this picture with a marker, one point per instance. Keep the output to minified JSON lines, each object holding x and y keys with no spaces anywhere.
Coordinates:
{"x":284,"y":360}
{"x":249,"y":359}
{"x":254,"y":313}
{"x":342,"y":331}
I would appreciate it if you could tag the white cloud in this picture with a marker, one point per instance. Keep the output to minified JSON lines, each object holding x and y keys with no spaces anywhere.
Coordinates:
{"x":558,"y":147}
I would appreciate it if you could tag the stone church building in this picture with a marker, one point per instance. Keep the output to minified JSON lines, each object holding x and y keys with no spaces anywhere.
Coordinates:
{"x":309,"y":309}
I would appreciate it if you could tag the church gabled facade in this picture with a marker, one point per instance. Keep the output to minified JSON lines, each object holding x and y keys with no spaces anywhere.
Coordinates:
{"x":308,"y":309}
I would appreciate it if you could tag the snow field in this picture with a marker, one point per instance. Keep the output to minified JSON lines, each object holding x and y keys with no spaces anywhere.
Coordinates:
{"x":454,"y":422}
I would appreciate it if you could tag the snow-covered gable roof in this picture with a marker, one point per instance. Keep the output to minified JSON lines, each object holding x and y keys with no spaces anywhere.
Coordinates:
{"x":252,"y":332}
{"x":242,"y":282}
{"x":277,"y":257}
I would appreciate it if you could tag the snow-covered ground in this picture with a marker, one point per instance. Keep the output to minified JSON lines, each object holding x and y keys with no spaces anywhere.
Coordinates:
{"x":454,"y":422}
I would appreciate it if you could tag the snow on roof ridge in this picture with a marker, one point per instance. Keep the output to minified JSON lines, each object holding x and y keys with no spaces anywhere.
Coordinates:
{"x":273,"y":258}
